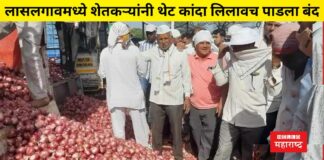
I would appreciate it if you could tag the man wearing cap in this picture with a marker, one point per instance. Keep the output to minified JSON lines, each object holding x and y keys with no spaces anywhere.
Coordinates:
{"x":145,"y":45}
{"x":251,"y":76}
{"x":150,"y":41}
{"x":170,"y":90}
{"x":206,"y":95}
{"x":124,"y":92}
{"x":176,"y":35}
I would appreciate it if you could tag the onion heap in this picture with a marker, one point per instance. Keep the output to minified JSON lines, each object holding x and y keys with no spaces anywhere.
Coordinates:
{"x":55,"y":70}
{"x":13,"y":84}
{"x":82,"y":132}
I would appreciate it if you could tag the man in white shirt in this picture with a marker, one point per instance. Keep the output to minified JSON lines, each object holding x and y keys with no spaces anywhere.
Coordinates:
{"x":170,"y":90}
{"x":176,"y":35}
{"x":251,"y":76}
{"x":121,"y":65}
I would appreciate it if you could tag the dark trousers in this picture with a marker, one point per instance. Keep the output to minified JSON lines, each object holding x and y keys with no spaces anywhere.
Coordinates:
{"x":146,"y":86}
{"x":271,"y":124}
{"x":158,"y":114}
{"x":229,"y":135}
{"x":203,"y":125}
{"x":71,"y":43}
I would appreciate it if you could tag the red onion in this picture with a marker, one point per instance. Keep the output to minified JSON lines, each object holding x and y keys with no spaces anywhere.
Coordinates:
{"x":56,"y":73}
{"x":94,"y":150}
{"x":83,"y":132}
{"x":29,"y":150}
{"x":53,"y":145}
{"x":44,"y":154}
{"x":35,"y":156}
{"x":51,"y":138}
{"x":60,"y":153}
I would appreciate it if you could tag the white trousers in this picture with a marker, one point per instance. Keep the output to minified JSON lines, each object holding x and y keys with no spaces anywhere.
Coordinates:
{"x":140,"y":126}
{"x":30,"y":35}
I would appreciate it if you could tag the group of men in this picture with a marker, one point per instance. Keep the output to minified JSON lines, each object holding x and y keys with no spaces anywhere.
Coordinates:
{"x":259,"y":81}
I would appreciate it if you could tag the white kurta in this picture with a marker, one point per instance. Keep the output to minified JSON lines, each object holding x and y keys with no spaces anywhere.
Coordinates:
{"x":122,"y":69}
{"x":315,"y":109}
{"x":246,"y":104}
{"x":168,"y":87}
{"x":318,"y":53}
{"x":309,"y":116}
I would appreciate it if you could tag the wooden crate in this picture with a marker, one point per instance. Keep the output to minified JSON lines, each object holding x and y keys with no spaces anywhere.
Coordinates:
{"x":66,"y":88}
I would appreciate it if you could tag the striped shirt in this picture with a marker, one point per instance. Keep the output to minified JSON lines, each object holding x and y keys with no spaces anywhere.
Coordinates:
{"x":144,"y":46}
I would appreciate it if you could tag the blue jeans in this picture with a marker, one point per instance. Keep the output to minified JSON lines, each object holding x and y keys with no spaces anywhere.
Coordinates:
{"x":144,"y":83}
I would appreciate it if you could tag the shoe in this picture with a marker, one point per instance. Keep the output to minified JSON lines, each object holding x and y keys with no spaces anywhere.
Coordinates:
{"x":51,"y":108}
{"x":40,"y":102}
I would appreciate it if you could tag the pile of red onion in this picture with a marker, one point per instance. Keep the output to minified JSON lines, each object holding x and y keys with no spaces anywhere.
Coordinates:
{"x":35,"y":135}
{"x":55,"y":70}
{"x":41,"y":136}
{"x":61,"y":138}
{"x":82,"y":132}
{"x":92,"y":112}
{"x":95,"y":113}
{"x":12,"y":84}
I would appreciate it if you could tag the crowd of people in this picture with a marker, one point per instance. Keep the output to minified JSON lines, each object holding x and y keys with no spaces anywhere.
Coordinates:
{"x":262,"y":80}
